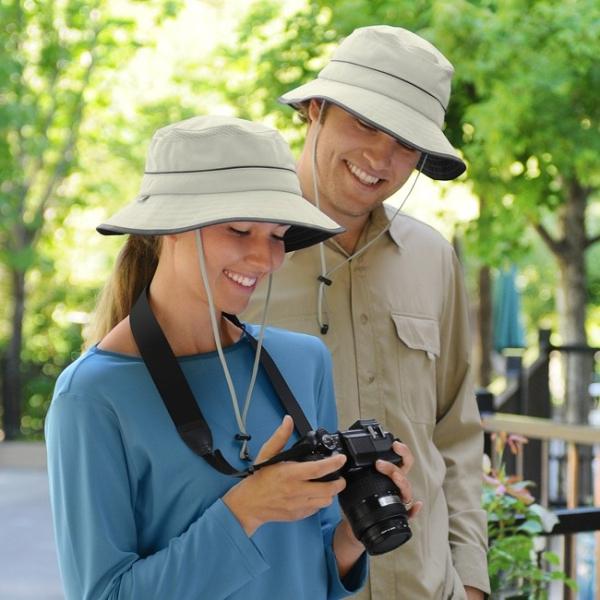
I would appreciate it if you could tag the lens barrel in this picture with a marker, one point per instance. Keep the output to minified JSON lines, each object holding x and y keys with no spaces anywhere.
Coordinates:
{"x":374,"y":507}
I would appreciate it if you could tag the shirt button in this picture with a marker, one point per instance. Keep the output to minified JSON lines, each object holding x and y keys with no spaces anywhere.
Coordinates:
{"x":370,"y":378}
{"x":364,"y":319}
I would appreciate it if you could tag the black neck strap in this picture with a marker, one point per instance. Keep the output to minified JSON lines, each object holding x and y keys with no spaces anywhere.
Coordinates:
{"x":177,"y":395}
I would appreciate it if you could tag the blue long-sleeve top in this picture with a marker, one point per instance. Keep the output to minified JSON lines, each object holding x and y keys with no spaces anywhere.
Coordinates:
{"x":139,"y":516}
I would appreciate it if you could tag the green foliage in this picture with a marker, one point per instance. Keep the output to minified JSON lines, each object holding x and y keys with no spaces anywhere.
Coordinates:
{"x":56,"y":64}
{"x":514,"y":523}
{"x":524,"y":112}
{"x":524,"y":109}
{"x":524,"y":88}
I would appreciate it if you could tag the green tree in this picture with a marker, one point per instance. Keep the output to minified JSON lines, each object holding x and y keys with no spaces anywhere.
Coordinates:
{"x":55,"y":71}
{"x":527,"y":81}
{"x":524,"y":111}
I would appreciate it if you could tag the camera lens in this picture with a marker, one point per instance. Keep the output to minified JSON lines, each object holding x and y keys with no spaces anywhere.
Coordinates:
{"x":375,"y":510}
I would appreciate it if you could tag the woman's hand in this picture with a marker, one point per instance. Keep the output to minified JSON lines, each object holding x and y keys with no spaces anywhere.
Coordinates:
{"x":283,"y":491}
{"x":346,"y":547}
{"x":398,"y":473}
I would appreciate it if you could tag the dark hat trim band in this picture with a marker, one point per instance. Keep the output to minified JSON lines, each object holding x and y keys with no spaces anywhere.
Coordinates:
{"x":349,"y":62}
{"x":218,"y":169}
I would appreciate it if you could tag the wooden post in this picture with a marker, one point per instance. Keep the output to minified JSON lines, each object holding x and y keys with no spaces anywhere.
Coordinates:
{"x":596,"y":476}
{"x":545,"y":476}
{"x":572,"y":476}
{"x":572,"y":502}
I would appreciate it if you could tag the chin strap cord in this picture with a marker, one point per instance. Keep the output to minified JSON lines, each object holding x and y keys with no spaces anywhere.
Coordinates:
{"x":180,"y":402}
{"x":324,"y":278}
{"x":242,"y":436}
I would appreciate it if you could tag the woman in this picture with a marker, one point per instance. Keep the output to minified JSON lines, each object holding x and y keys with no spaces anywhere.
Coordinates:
{"x":137,"y":513}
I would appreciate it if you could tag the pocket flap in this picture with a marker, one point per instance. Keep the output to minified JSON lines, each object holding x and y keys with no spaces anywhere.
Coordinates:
{"x":418,"y":333}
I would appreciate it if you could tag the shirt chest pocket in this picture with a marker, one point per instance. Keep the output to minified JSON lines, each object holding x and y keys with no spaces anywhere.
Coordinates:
{"x":418,"y":350}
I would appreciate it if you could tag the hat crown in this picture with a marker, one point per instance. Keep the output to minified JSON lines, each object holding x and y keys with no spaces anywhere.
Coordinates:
{"x":216,"y":143}
{"x":214,"y":169}
{"x":402,"y":54}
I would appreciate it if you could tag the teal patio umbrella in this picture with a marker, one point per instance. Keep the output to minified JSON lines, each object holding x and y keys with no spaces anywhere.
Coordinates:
{"x":508,"y":326}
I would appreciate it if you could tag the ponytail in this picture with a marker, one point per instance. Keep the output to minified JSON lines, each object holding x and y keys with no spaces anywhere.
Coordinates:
{"x":133,"y":271}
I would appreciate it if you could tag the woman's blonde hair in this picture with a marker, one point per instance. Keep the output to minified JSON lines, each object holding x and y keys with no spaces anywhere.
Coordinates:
{"x":133,"y":270}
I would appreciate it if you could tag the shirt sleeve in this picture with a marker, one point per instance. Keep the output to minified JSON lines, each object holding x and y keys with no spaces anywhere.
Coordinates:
{"x":95,"y":521}
{"x":331,"y":516}
{"x":462,"y":453}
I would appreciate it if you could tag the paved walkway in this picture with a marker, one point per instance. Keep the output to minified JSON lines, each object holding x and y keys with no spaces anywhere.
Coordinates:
{"x":28,"y":568}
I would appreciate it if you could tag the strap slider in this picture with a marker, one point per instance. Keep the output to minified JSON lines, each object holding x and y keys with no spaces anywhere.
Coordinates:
{"x":324,"y":279}
{"x":243,"y":437}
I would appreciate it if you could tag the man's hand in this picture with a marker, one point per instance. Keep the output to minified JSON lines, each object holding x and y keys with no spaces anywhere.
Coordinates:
{"x":473,"y":593}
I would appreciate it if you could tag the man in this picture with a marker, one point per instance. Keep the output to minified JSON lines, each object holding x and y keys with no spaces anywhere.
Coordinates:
{"x":387,"y":296}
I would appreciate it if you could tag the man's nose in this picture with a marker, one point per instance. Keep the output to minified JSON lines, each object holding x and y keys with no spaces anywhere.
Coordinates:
{"x":380,"y":151}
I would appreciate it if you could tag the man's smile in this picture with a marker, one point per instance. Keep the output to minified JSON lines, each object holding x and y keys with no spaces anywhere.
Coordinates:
{"x":361,"y":175}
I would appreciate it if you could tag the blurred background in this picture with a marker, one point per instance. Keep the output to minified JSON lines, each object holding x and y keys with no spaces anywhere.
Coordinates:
{"x":83,"y":85}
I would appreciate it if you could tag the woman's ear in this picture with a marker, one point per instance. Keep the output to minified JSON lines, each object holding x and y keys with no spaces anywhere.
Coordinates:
{"x":314,"y":109}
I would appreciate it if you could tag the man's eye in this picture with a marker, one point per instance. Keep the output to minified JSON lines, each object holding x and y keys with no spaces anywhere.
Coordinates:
{"x":366,"y":125}
{"x":405,"y":147}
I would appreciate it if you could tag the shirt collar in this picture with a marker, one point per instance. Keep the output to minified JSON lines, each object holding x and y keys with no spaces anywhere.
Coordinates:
{"x":380,"y":217}
{"x":384,"y":215}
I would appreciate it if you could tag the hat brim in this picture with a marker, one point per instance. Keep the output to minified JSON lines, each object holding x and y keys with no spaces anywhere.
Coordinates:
{"x":163,"y":214}
{"x":390,"y":116}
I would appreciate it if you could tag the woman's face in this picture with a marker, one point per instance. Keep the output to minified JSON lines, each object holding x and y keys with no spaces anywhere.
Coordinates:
{"x":238,"y":256}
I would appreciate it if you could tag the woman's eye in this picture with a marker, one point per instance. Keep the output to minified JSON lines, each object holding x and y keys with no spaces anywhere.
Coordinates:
{"x":279,"y":238}
{"x":238,"y":231}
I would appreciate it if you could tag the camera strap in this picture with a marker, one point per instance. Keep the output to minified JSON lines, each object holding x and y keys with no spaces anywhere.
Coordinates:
{"x":179,"y":400}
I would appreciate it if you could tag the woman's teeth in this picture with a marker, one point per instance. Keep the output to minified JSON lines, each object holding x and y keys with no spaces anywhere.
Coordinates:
{"x":362,"y":176}
{"x":241,"y":279}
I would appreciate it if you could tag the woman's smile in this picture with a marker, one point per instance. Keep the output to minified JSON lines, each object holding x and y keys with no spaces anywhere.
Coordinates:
{"x":245,"y":281}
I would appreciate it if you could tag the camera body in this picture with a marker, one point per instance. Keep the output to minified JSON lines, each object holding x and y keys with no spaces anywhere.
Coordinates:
{"x":371,"y":501}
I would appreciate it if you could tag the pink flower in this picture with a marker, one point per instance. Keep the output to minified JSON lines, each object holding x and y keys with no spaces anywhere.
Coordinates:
{"x":515,"y":442}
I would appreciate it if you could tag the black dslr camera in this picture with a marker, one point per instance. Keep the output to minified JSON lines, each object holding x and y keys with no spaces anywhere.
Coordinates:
{"x":371,"y":501}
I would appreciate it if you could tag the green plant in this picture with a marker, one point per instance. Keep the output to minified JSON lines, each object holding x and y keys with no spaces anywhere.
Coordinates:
{"x":519,"y":567}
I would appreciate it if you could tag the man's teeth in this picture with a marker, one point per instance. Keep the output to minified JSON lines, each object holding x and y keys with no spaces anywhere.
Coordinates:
{"x":241,"y":279}
{"x":362,"y":176}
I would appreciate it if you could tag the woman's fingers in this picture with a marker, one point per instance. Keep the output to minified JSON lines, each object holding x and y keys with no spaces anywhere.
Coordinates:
{"x":407,"y":456}
{"x":415,"y":509}
{"x":275,"y":444}
{"x":396,"y":474}
{"x":315,"y":469}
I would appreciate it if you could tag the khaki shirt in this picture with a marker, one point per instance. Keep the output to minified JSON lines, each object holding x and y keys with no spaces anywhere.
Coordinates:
{"x":399,"y":336}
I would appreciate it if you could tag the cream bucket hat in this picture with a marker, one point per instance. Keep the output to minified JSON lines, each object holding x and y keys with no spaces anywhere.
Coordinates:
{"x":208,"y":170}
{"x":396,"y":81}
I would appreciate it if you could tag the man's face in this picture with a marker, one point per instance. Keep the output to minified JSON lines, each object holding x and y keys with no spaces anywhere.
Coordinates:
{"x":358,"y":166}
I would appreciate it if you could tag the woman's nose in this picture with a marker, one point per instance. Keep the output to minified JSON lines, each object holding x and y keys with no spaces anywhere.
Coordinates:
{"x":262,"y":255}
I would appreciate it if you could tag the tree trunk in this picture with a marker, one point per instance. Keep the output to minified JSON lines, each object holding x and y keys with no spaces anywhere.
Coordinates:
{"x":572,"y":307}
{"x":485,"y":327}
{"x":572,"y":297}
{"x":12,"y":389}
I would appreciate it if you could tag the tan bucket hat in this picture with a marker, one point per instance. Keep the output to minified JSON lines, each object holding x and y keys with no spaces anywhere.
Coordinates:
{"x":208,"y":170}
{"x":396,"y":81}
